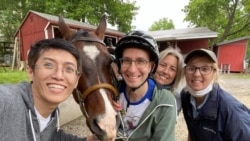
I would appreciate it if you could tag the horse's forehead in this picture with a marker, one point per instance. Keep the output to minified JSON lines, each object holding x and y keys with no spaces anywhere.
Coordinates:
{"x":91,"y":51}
{"x":84,"y":33}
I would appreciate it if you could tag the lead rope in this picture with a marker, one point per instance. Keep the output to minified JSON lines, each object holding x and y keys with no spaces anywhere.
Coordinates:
{"x":121,"y":134}
{"x":32,"y":127}
{"x":58,"y":122}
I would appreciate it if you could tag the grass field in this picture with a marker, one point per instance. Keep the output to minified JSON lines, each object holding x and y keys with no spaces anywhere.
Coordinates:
{"x":7,"y":76}
{"x":236,"y":75}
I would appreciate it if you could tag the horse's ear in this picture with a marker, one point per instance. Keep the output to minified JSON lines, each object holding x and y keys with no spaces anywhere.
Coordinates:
{"x":100,"y":31}
{"x":64,"y":29}
{"x":111,"y":50}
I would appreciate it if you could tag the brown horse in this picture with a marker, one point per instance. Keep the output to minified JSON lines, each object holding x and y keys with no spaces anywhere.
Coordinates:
{"x":94,"y":93}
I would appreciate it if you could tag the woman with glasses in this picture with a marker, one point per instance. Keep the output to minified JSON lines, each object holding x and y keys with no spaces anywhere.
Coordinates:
{"x":169,"y":73}
{"x":29,"y":111}
{"x":211,"y":113}
{"x":148,"y":113}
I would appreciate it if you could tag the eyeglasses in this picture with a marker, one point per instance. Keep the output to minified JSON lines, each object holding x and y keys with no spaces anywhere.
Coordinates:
{"x":203,"y":69}
{"x":68,"y":70}
{"x":127,"y":62}
{"x":164,"y":66}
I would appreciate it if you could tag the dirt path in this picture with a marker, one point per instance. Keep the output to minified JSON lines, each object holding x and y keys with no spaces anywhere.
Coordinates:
{"x":239,"y":88}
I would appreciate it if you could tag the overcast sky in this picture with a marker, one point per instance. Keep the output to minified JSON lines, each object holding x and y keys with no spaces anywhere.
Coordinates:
{"x":153,"y":10}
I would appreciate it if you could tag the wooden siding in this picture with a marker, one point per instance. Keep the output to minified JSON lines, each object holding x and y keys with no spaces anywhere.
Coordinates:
{"x":32,"y":30}
{"x":233,"y":54}
{"x":35,"y":27}
{"x":186,"y":45}
{"x":189,"y":45}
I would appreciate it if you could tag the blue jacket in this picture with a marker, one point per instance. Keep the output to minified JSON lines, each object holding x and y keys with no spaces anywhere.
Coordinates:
{"x":222,"y":118}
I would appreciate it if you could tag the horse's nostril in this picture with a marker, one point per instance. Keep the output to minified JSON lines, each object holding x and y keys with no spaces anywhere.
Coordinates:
{"x":100,"y":134}
{"x":95,"y":123}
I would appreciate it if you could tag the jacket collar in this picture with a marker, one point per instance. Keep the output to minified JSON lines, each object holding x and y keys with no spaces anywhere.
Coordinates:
{"x":210,"y":108}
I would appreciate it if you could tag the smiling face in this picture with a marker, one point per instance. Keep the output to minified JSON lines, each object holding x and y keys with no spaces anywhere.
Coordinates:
{"x":196,"y":80}
{"x":135,"y":74}
{"x":167,"y":70}
{"x":54,"y":77}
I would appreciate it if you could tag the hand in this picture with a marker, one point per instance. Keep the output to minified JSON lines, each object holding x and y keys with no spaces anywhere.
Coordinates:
{"x":91,"y":138}
{"x":94,"y":138}
{"x":116,"y":105}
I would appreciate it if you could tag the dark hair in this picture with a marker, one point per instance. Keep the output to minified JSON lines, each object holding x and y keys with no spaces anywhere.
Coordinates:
{"x":60,"y":44}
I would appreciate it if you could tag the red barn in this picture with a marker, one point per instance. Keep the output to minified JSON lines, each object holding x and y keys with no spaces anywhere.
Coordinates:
{"x":232,"y":54}
{"x":186,"y":39}
{"x":37,"y":26}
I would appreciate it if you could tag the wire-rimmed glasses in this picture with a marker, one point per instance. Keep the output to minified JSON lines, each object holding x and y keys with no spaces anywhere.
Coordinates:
{"x":68,"y":70}
{"x":139,"y":63}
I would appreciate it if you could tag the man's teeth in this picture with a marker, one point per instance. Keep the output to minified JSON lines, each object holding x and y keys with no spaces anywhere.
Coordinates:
{"x":56,"y":86}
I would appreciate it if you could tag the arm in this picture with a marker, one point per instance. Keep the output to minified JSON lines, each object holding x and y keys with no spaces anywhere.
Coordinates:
{"x":62,"y":136}
{"x":165,"y":126}
{"x":237,"y":123}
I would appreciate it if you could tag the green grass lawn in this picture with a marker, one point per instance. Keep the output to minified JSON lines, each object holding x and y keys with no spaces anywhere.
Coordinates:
{"x":8,"y":76}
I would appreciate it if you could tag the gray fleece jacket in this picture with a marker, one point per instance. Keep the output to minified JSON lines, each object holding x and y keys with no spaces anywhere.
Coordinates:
{"x":18,"y":120}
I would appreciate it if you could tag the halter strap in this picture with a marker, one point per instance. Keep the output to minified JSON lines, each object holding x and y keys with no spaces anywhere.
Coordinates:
{"x":88,"y":39}
{"x":99,"y":86}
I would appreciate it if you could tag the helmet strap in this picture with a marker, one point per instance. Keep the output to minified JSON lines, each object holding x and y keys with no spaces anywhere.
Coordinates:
{"x":135,"y":88}
{"x":153,"y":68}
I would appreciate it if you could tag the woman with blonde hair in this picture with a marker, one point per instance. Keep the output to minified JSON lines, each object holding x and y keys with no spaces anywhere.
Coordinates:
{"x":210,"y":112}
{"x":169,"y":73}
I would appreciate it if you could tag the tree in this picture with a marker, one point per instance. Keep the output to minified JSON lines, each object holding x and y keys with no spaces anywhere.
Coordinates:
{"x":162,"y":24}
{"x":230,"y":18}
{"x":119,"y":13}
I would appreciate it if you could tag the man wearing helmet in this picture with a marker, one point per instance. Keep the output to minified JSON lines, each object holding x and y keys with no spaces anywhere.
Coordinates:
{"x":148,"y":113}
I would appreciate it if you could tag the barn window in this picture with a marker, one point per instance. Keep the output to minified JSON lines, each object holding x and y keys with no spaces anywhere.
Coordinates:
{"x":57,"y":33}
{"x":110,"y":41}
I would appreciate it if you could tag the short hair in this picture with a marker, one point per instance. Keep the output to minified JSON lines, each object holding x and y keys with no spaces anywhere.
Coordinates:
{"x":54,"y":43}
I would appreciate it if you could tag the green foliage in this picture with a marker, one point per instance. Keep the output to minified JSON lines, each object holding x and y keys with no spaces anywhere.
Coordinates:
{"x":231,"y":19}
{"x":248,"y":50}
{"x":120,"y":12}
{"x":162,"y":24}
{"x":8,"y":76}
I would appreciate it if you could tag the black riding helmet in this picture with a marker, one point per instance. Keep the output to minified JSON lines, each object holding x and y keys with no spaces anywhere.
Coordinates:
{"x":139,"y":40}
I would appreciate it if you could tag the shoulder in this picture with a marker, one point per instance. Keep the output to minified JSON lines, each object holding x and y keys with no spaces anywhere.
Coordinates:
{"x":11,"y":96}
{"x":225,"y":98}
{"x":230,"y":104}
{"x":164,"y":96}
{"x":10,"y":91}
{"x":7,"y":88}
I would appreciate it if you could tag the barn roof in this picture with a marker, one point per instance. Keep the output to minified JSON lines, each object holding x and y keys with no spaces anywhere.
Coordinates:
{"x":54,"y":19}
{"x":183,"y":34}
{"x":234,"y":40}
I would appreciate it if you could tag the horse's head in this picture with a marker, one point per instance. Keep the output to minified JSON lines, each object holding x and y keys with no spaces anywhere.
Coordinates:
{"x":94,"y":91}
